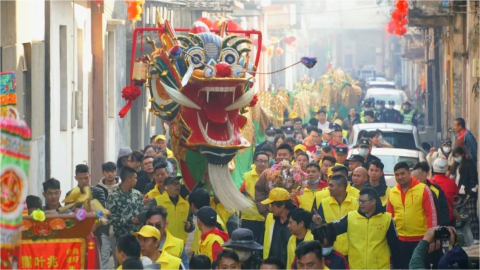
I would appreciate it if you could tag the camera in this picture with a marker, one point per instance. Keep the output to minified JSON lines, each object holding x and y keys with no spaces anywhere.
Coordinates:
{"x":442,"y":233}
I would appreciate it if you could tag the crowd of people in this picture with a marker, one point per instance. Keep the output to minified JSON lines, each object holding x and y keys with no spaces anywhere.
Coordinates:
{"x":346,"y":216}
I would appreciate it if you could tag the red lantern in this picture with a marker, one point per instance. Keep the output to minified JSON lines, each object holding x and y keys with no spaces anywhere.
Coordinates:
{"x":404,"y":21}
{"x":397,"y":16}
{"x":400,"y":31}
{"x":264,"y":48}
{"x":402,"y":6}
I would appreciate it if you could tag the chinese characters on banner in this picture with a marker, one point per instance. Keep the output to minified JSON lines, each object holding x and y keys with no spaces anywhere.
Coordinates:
{"x":52,"y":254}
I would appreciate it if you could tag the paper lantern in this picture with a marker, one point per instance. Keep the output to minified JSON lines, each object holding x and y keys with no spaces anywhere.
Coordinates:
{"x":402,"y":6}
{"x":140,"y":67}
{"x":397,"y":16}
{"x":400,"y":31}
{"x":134,"y":10}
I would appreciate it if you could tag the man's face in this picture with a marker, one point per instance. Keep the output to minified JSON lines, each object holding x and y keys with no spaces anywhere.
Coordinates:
{"x":158,"y":222}
{"x":133,"y":180}
{"x":352,"y":165}
{"x":365,"y":204}
{"x":283,"y":154}
{"x":83,"y":179}
{"x":288,"y":123}
{"x":352,"y":112}
{"x":326,"y":137}
{"x":337,"y":137}
{"x":124,"y":160}
{"x":270,"y":154}
{"x":161,"y":144}
{"x":302,"y":161}
{"x":120,"y":256}
{"x":294,"y":227}
{"x":109,"y":175}
{"x":297,"y":125}
{"x":147,"y":165}
{"x":375,"y":140}
{"x":151,"y":152}
{"x":160,"y":176}
{"x":310,"y":261}
{"x":132,"y":163}
{"x":313,"y":174}
{"x":368,"y":119}
{"x":276,"y":210}
{"x":374,"y":173}
{"x":402,"y":176}
{"x":325,"y":165}
{"x":299,"y":137}
{"x":334,"y":188}
{"x":456,"y":127}
{"x":359,"y":177}
{"x":227,"y":263}
{"x":321,"y":117}
{"x":312,"y":137}
{"x":420,"y":175}
{"x":173,"y":188}
{"x":148,"y":245}
{"x":341,"y":158}
{"x":52,"y":197}
{"x":261,"y":163}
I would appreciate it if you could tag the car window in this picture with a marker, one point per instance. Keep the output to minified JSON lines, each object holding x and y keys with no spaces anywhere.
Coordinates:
{"x":389,"y":86}
{"x":400,"y":140}
{"x":390,"y":161}
{"x":387,"y":97}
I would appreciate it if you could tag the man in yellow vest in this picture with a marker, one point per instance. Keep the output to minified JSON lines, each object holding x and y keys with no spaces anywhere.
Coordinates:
{"x":149,"y":238}
{"x":337,"y":205}
{"x":409,"y":115}
{"x":314,"y":185}
{"x":375,"y":173}
{"x":412,"y":207}
{"x":160,"y":174}
{"x":251,"y":218}
{"x":179,"y":219}
{"x":157,"y":217}
{"x":161,"y":142}
{"x":324,"y":193}
{"x":229,"y":218}
{"x":127,"y":246}
{"x":299,"y":225}
{"x":309,"y":256}
{"x":212,"y":238}
{"x":371,"y":233}
{"x":277,"y":234}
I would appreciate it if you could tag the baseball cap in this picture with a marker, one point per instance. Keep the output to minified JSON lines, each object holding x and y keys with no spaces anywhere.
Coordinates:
{"x":364,"y":142}
{"x":207,"y":216}
{"x":326,"y":130}
{"x":391,"y":102}
{"x":407,"y":103}
{"x":300,"y":147}
{"x":440,"y":165}
{"x":270,"y":129}
{"x":456,"y":258}
{"x":171,"y":179}
{"x":288,"y":129}
{"x":277,"y":195}
{"x":160,"y":137}
{"x":335,"y":126}
{"x":343,"y":150}
{"x":356,"y":158}
{"x":148,"y":231}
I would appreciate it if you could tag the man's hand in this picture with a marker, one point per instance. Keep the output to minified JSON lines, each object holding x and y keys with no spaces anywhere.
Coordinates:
{"x":146,"y":200}
{"x":135,"y":220}
{"x":317,"y":219}
{"x":429,"y":235}
{"x":432,"y":150}
{"x":188,"y":225}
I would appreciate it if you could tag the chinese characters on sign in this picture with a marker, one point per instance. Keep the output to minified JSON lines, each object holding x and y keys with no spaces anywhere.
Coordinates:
{"x":53,"y":254}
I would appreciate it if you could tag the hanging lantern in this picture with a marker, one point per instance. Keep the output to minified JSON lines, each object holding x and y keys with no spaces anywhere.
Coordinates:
{"x":397,"y":16}
{"x":134,"y":9}
{"x":139,"y":76}
{"x":402,"y":6}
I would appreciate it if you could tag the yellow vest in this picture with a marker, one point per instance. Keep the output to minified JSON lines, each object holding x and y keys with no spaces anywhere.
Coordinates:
{"x":250,"y":179}
{"x":332,"y":212}
{"x":305,"y":201}
{"x":173,"y":245}
{"x":153,"y":193}
{"x":169,"y":153}
{"x":292,"y":245}
{"x":177,"y":215}
{"x":410,"y":218}
{"x":324,"y":193}
{"x":207,"y":244}
{"x":198,"y":235}
{"x":267,"y":238}
{"x":222,"y":212}
{"x":367,"y":241}
{"x":384,"y":198}
{"x":168,"y":261}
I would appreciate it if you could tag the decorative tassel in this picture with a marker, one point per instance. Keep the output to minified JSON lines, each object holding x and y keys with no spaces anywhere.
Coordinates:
{"x":129,"y":93}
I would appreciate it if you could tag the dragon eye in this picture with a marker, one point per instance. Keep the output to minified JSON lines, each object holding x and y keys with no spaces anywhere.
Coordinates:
{"x":230,"y":57}
{"x":196,"y":58}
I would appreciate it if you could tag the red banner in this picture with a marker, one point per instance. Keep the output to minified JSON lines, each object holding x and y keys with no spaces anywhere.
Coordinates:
{"x":52,"y":254}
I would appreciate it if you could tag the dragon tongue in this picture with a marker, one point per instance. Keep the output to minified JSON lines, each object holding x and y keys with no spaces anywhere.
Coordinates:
{"x":215,"y":109}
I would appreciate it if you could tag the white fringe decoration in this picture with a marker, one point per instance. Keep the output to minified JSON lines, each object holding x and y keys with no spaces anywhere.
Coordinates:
{"x":225,"y":189}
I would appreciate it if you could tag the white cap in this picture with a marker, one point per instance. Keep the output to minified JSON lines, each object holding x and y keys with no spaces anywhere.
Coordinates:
{"x":326,"y":131}
{"x":440,"y":165}
{"x":145,"y":260}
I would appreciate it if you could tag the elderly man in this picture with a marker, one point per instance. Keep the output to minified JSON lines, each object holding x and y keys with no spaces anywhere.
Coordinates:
{"x":359,"y":177}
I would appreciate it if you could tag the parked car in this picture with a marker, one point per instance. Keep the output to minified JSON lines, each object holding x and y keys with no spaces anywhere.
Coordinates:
{"x":386,"y":95}
{"x":398,"y":135}
{"x":391,"y":156}
{"x":381,"y":84}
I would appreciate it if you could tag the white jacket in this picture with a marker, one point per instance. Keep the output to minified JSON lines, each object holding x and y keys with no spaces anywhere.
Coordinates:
{"x":432,"y":157}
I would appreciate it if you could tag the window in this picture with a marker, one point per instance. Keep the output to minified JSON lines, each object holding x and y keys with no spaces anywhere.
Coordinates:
{"x":391,"y":161}
{"x":63,"y":114}
{"x":400,"y":140}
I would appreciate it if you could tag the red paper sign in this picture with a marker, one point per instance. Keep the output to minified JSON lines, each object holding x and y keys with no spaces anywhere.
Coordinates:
{"x":52,"y":254}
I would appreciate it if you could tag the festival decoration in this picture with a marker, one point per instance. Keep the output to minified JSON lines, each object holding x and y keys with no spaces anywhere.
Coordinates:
{"x":397,"y":24}
{"x":139,"y":76}
{"x":206,"y":21}
{"x":38,"y":215}
{"x":279,"y":51}
{"x":134,"y":10}
{"x":8,"y":92}
{"x":284,"y":175}
{"x":80,"y":214}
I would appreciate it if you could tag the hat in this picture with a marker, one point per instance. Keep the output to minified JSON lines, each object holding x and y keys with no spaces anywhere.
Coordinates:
{"x":148,"y":231}
{"x":382,"y":102}
{"x":288,"y":129}
{"x":456,"y":258}
{"x":335,"y":127}
{"x":277,"y":195}
{"x":326,"y":130}
{"x":367,"y":103}
{"x":364,"y":142}
{"x":338,"y":121}
{"x":160,"y":137}
{"x":306,"y":125}
{"x":170,"y":179}
{"x":407,"y":103}
{"x":378,"y":101}
{"x":242,"y":238}
{"x":391,"y":102}
{"x":440,"y":165}
{"x":207,"y":216}
{"x":300,"y":147}
{"x":293,"y":115}
{"x":356,"y":158}
{"x":447,"y":142}
{"x":278,"y":131}
{"x":343,"y":150}
{"x":270,"y":129}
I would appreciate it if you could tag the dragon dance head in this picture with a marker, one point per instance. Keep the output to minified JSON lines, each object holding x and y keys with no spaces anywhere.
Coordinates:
{"x":201,"y":80}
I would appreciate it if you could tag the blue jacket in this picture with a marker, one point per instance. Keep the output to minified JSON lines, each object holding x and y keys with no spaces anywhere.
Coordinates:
{"x":471,"y":146}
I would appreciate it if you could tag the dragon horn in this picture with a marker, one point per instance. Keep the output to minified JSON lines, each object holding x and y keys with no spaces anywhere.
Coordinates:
{"x":186,"y":40}
{"x":240,"y":41}
{"x":226,"y":40}
{"x":159,"y":19}
{"x":197,"y":39}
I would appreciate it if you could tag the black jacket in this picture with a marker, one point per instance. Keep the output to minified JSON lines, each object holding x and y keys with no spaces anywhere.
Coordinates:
{"x":441,"y":205}
{"x":468,"y":177}
{"x":392,"y":116}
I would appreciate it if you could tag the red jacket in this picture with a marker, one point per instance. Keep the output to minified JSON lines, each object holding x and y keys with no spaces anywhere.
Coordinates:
{"x":216,"y":247}
{"x":448,"y":187}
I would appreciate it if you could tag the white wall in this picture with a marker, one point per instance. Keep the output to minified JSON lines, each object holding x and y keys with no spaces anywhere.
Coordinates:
{"x":69,"y":147}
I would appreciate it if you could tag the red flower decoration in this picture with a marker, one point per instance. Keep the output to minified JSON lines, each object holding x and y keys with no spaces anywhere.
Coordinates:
{"x":129,"y":93}
{"x":254,"y":100}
